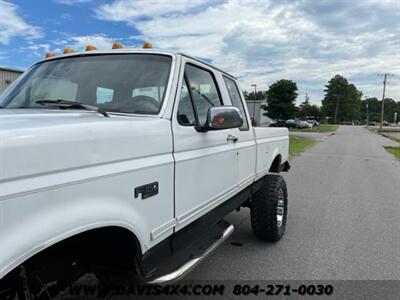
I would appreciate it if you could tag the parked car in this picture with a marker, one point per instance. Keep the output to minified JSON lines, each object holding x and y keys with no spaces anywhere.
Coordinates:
{"x":313,"y":122}
{"x":290,"y":123}
{"x":303,"y":124}
{"x":309,"y":124}
{"x":126,"y":162}
{"x":346,"y":123}
{"x":278,"y":124}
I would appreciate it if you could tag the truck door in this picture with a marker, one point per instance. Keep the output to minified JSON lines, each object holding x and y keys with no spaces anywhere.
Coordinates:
{"x":245,"y":145}
{"x":206,"y":162}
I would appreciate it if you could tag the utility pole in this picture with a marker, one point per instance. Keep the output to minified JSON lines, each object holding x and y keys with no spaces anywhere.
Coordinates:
{"x":366,"y":106}
{"x":305,"y":107}
{"x":337,"y":107}
{"x":254,"y":104}
{"x":385,"y":75}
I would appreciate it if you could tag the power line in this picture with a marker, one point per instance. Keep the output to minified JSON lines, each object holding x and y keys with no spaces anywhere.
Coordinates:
{"x":385,"y":75}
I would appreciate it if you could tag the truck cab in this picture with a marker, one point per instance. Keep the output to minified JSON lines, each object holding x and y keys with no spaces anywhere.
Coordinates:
{"x":129,"y":159}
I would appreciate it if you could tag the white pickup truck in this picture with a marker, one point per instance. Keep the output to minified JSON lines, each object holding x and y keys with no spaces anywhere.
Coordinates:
{"x":127,"y":161}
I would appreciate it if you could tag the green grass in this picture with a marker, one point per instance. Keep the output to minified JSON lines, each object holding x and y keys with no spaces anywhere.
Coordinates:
{"x":298,"y":144}
{"x":394,"y":150}
{"x":389,"y":129}
{"x":320,"y":128}
{"x":376,"y":129}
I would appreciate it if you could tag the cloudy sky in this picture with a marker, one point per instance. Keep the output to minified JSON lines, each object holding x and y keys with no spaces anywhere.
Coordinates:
{"x":260,"y":41}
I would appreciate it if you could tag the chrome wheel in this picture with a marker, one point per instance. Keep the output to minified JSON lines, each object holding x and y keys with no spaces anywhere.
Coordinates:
{"x":269,"y":209}
{"x":280,"y":210}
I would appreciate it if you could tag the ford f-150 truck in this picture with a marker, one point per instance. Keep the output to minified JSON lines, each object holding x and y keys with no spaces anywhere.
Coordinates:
{"x":126,"y":161}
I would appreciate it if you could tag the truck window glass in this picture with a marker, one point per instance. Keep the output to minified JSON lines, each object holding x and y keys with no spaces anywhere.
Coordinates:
{"x":186,"y":115}
{"x":54,"y":88}
{"x":236,"y":100}
{"x":204,"y":91}
{"x":155,"y":92}
{"x":104,"y":95}
{"x":135,"y":83}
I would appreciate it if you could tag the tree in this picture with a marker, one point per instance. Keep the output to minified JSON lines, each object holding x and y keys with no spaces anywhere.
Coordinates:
{"x":281,"y":98}
{"x":374,"y":109}
{"x":341,"y":97}
{"x":308,"y":111}
{"x":314,"y":112}
{"x":304,"y":108}
{"x":391,"y":107}
{"x":260,"y":95}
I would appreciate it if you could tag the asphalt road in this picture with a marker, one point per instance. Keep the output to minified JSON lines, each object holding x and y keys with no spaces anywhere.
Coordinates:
{"x":343,"y":220}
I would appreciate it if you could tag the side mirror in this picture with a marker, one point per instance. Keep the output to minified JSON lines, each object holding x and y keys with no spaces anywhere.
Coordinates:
{"x":222,"y":117}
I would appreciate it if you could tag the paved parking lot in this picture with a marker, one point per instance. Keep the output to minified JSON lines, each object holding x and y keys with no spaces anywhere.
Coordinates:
{"x":343,"y":222}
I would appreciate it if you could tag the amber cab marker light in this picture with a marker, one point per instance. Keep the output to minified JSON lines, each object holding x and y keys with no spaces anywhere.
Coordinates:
{"x":117,"y":46}
{"x":147,"y":45}
{"x":68,"y":50}
{"x":49,"y":54}
{"x":90,"y":48}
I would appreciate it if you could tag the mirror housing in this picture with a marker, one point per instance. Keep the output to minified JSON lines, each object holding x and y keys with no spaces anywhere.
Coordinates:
{"x":222,"y":117}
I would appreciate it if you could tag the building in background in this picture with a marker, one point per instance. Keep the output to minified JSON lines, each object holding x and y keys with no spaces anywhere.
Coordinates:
{"x":257,"y":112}
{"x":7,"y":76}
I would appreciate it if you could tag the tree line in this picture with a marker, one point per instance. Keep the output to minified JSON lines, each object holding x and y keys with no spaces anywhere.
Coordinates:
{"x":342,"y":102}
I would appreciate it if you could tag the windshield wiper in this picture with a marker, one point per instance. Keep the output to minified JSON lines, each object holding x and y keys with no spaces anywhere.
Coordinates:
{"x":65,"y":104}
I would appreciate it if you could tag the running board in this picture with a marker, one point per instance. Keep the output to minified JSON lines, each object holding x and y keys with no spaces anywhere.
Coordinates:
{"x":191,"y":264}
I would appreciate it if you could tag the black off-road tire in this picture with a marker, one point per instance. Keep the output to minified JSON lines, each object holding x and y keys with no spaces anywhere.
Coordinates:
{"x":265,"y":205}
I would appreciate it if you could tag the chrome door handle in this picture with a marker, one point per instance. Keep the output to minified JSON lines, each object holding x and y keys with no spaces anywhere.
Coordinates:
{"x":232,"y":138}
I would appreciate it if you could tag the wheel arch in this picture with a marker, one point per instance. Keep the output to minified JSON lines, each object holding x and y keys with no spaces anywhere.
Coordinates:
{"x":276,"y":164}
{"x":118,"y":231}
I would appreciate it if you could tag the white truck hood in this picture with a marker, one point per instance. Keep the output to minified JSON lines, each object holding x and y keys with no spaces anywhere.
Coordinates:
{"x":40,"y":142}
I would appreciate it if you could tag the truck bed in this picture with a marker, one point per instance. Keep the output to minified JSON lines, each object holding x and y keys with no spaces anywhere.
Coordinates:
{"x":270,"y":142}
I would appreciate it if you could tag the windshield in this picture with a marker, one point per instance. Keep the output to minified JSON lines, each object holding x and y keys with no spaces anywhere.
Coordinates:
{"x":126,"y":83}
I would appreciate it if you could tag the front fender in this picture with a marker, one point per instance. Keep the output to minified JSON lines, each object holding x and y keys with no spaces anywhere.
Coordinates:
{"x":31,"y":224}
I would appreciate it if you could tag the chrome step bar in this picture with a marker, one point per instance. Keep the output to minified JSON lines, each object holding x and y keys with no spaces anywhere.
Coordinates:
{"x":191,"y":264}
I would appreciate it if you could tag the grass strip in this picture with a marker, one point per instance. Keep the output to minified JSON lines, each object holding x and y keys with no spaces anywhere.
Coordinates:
{"x":394,"y":150}
{"x":299,"y":144}
{"x":320,"y":128}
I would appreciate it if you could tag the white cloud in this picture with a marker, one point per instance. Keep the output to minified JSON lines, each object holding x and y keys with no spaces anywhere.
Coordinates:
{"x":72,"y":2}
{"x":39,"y":49}
{"x":264,"y":41}
{"x":78,"y":43}
{"x":12,"y":25}
{"x":101,"y":42}
{"x":129,"y":10}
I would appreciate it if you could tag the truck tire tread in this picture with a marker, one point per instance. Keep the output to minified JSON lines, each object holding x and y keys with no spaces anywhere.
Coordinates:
{"x":264,"y":209}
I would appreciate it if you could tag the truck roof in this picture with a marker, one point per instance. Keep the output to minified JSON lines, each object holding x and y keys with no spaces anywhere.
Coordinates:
{"x":134,"y":50}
